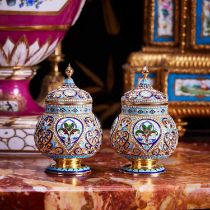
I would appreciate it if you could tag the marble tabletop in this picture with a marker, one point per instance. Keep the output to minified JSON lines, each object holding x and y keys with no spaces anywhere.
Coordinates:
{"x":186,"y":184}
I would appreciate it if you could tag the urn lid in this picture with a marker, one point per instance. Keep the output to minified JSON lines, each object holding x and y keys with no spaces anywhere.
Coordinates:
{"x":144,"y":93}
{"x":68,"y":93}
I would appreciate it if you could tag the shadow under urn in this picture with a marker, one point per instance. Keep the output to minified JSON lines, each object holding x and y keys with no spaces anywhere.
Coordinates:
{"x":144,"y":132}
{"x":68,"y":131}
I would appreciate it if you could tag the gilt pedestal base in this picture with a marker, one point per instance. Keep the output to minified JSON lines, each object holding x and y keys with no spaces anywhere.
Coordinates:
{"x":67,"y":166}
{"x":143,"y":167}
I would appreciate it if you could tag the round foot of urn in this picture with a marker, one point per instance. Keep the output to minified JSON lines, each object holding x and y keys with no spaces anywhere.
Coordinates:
{"x":68,"y":167}
{"x":143,"y":167}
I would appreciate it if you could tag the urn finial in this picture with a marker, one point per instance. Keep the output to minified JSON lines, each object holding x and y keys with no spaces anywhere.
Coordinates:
{"x":145,"y":71}
{"x":69,"y":71}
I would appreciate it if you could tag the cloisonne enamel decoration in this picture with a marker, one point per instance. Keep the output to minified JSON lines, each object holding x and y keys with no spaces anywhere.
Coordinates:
{"x":68,"y":131}
{"x":144,"y":131}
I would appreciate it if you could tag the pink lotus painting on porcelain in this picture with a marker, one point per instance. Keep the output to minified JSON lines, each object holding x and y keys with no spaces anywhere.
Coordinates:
{"x":29,"y":32}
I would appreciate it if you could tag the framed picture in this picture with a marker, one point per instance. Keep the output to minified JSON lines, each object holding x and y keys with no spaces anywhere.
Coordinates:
{"x":162,"y":20}
{"x":188,"y":91}
{"x":200,"y":24}
{"x":186,"y":85}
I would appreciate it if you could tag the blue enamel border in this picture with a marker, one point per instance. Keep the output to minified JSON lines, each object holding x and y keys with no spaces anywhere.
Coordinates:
{"x":171,"y":82}
{"x":56,"y":109}
{"x":131,"y":157}
{"x":157,"y":38}
{"x":68,"y":156}
{"x":130,"y":170}
{"x":139,"y":75}
{"x":160,"y":110}
{"x":69,"y":170}
{"x":199,"y":39}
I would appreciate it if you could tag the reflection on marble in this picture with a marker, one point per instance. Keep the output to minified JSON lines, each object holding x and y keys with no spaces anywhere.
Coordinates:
{"x":185,"y":185}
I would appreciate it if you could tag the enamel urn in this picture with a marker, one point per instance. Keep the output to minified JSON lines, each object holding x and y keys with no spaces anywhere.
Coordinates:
{"x":68,"y":131}
{"x":144,"y":132}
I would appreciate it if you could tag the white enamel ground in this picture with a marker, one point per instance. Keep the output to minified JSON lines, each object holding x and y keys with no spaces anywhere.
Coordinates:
{"x":45,"y":6}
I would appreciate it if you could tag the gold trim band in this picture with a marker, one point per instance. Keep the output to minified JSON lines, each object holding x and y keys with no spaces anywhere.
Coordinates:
{"x":17,"y":72}
{"x":16,"y":68}
{"x":67,"y":103}
{"x":151,"y":104}
{"x":139,"y":164}
{"x":35,"y":28}
{"x":66,"y":163}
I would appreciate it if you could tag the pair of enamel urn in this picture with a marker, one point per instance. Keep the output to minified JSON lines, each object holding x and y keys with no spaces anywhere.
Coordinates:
{"x":143,"y":133}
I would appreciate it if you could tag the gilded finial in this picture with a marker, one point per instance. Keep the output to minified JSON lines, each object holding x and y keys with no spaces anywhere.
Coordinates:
{"x":145,"y":71}
{"x":69,"y":71}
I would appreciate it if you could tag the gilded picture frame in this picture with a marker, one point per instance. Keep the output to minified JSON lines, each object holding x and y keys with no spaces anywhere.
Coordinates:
{"x":155,"y":22}
{"x":200,"y":25}
{"x":188,"y":91}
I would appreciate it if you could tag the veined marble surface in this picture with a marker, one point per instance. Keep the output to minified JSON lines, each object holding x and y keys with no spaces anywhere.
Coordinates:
{"x":185,"y":185}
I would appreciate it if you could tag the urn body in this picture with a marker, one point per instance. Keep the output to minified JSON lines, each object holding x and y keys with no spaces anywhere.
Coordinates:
{"x":146,"y":135}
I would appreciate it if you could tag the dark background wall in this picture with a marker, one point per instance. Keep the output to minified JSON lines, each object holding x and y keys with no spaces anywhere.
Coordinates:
{"x":97,"y":46}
